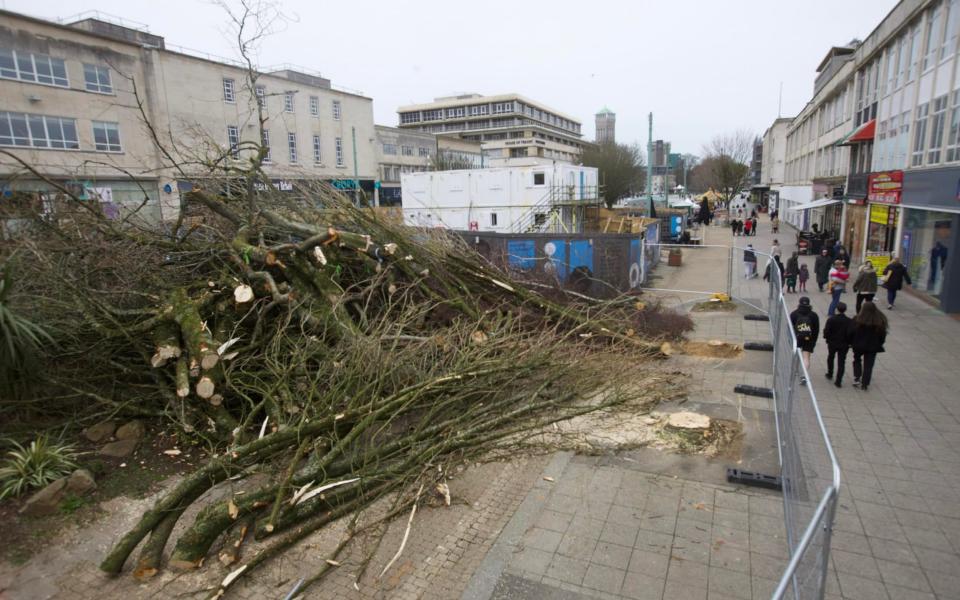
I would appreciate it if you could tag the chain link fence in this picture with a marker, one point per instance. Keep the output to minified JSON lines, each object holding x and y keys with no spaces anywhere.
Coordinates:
{"x":809,"y":471}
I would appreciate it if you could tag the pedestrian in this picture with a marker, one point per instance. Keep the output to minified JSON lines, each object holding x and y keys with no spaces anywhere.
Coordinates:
{"x":775,"y":223}
{"x":866,"y":284}
{"x":838,"y":333}
{"x":791,"y":273}
{"x":838,"y":284}
{"x":806,"y":328}
{"x":747,"y":226}
{"x":749,"y":262}
{"x":870,"y":328}
{"x":803,"y":277}
{"x":753,"y":224}
{"x":843,"y":256}
{"x":822,"y":268}
{"x":733,"y":227}
{"x":895,"y":274}
{"x":774,"y":264}
{"x":775,"y":248}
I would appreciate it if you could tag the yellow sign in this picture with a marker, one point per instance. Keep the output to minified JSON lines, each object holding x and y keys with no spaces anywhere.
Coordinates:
{"x":879,"y":260}
{"x":879,"y":214}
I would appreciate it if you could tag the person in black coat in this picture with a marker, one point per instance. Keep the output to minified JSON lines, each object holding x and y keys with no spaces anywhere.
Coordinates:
{"x":869,"y":334}
{"x":838,"y":333}
{"x":896,"y":274}
{"x":806,"y":328}
{"x":822,"y":268}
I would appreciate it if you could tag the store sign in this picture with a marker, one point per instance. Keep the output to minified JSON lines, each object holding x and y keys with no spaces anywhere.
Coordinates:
{"x":885,"y":187}
{"x":879,"y":214}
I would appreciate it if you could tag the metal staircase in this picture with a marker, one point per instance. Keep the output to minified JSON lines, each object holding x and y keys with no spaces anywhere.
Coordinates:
{"x":558,"y":210}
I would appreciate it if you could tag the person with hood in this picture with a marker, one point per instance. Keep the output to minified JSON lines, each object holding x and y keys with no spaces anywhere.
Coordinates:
{"x":803,"y":277}
{"x":774,"y":263}
{"x":866,"y":284}
{"x":822,"y":268}
{"x":791,"y":273}
{"x":733,"y":226}
{"x":749,"y":262}
{"x":837,"y":333}
{"x":838,"y":284}
{"x":806,"y":328}
{"x":753,"y":224}
{"x":870,"y":328}
{"x":843,"y":256}
{"x":895,"y":274}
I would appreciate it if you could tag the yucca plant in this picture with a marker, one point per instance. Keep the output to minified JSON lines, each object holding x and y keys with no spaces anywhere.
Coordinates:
{"x":20,"y":343}
{"x":34,"y":466}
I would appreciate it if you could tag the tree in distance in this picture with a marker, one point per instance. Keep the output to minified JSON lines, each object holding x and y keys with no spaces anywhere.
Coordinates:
{"x":621,"y":169}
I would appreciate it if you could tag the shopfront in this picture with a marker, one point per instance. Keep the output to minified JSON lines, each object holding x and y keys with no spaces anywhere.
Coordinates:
{"x":929,"y":235}
{"x":883,"y":215}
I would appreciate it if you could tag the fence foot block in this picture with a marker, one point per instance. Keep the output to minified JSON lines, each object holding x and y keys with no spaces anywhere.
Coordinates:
{"x":756,"y":318}
{"x":752,"y":390}
{"x":765,"y":346}
{"x":771,"y":482}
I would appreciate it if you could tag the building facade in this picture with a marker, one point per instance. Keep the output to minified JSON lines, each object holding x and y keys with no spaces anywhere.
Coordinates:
{"x":70,"y":107}
{"x":513,"y":130}
{"x":606,"y":125}
{"x":772,"y":164}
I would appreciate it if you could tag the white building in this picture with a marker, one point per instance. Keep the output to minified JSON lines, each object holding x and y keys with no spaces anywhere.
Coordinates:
{"x":773,"y":164}
{"x":504,"y":199}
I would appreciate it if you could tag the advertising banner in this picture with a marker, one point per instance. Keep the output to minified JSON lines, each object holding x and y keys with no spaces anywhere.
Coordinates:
{"x":885,"y":187}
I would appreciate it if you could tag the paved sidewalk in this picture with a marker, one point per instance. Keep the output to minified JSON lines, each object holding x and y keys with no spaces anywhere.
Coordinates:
{"x":645,"y":524}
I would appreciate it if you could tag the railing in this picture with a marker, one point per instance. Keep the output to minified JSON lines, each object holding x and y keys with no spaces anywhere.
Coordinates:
{"x":541,"y":213}
{"x":809,"y":471}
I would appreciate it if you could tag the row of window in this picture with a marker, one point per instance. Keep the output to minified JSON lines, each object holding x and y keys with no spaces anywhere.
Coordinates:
{"x":233,"y":141}
{"x":405,"y":150}
{"x":44,"y":131}
{"x":496,"y":108}
{"x":40,"y":68}
{"x":289,"y":106}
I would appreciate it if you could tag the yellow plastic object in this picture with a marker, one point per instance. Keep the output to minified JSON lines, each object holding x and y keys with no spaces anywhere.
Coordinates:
{"x":720,"y":296}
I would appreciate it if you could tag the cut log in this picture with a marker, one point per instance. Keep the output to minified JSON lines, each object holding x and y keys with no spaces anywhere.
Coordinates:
{"x":183,"y":377}
{"x":206,"y":388}
{"x":243,"y":294}
{"x":167,"y":340}
{"x":688,"y":421}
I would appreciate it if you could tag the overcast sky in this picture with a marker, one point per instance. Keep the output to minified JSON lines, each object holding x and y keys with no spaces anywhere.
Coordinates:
{"x":702,"y":66}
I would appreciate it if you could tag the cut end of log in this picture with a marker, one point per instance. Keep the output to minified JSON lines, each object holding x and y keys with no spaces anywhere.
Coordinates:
{"x":179,"y":564}
{"x":142,"y":573}
{"x":205,"y":388}
{"x":666,"y":348}
{"x":209,"y":360}
{"x":243,"y":294}
{"x":688,"y":421}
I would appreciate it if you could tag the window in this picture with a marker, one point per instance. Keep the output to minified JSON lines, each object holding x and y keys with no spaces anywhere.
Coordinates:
{"x":338,"y":147}
{"x":423,"y":151}
{"x":949,"y":45}
{"x":406,"y":150}
{"x":288,"y":102}
{"x":229,"y":90}
{"x":317,"y":154}
{"x":411,"y":117}
{"x":477,"y":111}
{"x":265,"y":142}
{"x":455,"y":112}
{"x":233,"y":140}
{"x":106,"y":136}
{"x":920,"y":134}
{"x":433,"y":115}
{"x":38,"y":131}
{"x":336,"y":110}
{"x":292,"y":147}
{"x":97,"y":79}
{"x":937,"y":125}
{"x":314,"y":106}
{"x":913,"y":55}
{"x":493,"y":219}
{"x":38,"y":68}
{"x":502,"y":107}
{"x":934,"y":33}
{"x":261,"y":92}
{"x":389,"y":148}
{"x":539,"y":179}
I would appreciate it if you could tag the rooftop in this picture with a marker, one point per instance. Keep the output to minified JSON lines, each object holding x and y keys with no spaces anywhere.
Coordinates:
{"x":467,"y":99}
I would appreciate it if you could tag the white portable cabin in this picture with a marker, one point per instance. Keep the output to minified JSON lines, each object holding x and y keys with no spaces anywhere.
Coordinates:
{"x":503,"y":199}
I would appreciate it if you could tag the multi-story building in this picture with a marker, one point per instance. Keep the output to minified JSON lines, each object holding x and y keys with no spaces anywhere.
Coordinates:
{"x":772,"y":162}
{"x":406,"y":151}
{"x":513,"y":130}
{"x":664,"y":180}
{"x":606,"y":125}
{"x":892,"y":140}
{"x":71,"y":97}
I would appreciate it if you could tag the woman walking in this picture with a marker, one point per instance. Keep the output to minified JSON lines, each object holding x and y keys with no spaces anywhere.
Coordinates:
{"x":775,"y":223}
{"x":792,"y":271}
{"x":870,"y":328}
{"x":866,"y":284}
{"x":822,"y":268}
{"x":747,"y":226}
{"x":806,"y":328}
{"x":803,"y":277}
{"x":896,"y":274}
{"x":838,"y":284}
{"x":749,"y":262}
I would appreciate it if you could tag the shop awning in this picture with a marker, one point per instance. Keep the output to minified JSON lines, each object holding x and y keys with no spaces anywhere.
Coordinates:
{"x":815,"y":204}
{"x":864,"y":133}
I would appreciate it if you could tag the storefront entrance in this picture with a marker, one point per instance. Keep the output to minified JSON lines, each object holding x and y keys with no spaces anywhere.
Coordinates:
{"x":882,"y":229}
{"x":926,"y":244}
{"x":856,"y":226}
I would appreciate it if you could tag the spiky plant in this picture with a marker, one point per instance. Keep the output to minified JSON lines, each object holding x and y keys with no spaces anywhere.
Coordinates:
{"x":20,"y":342}
{"x":35,"y":466}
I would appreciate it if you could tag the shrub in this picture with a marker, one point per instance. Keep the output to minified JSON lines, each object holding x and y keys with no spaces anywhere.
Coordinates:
{"x":20,"y":342}
{"x":35,"y":466}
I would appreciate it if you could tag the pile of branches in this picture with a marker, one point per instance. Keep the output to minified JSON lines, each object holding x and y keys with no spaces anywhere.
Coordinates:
{"x":336,"y":355}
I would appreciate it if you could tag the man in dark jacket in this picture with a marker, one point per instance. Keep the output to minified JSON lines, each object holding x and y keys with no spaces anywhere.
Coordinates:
{"x":806,"y":328}
{"x":838,"y":333}
{"x":896,"y":274}
{"x":822,"y":268}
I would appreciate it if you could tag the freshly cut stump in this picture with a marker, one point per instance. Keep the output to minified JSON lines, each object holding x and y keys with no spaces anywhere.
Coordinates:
{"x":712,"y":349}
{"x":688,"y":421}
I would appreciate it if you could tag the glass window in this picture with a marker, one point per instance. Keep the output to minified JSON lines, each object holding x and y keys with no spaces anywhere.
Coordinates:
{"x":914,"y":52}
{"x":233,"y":140}
{"x":389,"y":148}
{"x":97,"y":79}
{"x":424,"y":151}
{"x":229,"y":90}
{"x":38,"y":68}
{"x":937,"y":125}
{"x":919,"y":134}
{"x":288,"y":102}
{"x":261,"y":92}
{"x":338,"y":149}
{"x":292,"y":147}
{"x":953,"y":134}
{"x":38,"y":131}
{"x":934,"y":34}
{"x":106,"y":136}
{"x":407,"y":150}
{"x":336,"y":110}
{"x":314,"y":106}
{"x":949,"y":46}
{"x":317,"y":154}
{"x":925,"y":248}
{"x":265,"y":142}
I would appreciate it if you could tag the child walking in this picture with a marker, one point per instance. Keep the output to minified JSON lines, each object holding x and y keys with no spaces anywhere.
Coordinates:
{"x":804,"y":276}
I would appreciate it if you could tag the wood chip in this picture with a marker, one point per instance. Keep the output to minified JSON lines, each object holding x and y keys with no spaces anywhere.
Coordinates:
{"x":233,"y":511}
{"x":172,"y":452}
{"x":550,"y":479}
